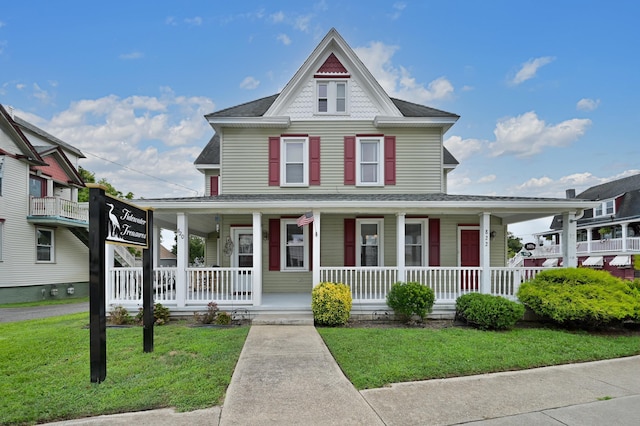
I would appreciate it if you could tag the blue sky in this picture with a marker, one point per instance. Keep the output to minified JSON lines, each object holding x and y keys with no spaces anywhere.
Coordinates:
{"x":546,"y":90}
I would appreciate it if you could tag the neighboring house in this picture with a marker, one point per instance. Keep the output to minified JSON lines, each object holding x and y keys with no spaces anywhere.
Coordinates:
{"x":43,"y":230}
{"x":608,"y":235}
{"x":167,"y":258}
{"x":333,"y":180}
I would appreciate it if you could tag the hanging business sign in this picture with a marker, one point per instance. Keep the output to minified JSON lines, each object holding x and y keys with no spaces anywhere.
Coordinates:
{"x":126,"y":223}
{"x":530,"y":246}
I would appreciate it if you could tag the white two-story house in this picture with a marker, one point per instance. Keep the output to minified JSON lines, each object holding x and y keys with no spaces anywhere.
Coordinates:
{"x":43,"y":229}
{"x":333,"y":180}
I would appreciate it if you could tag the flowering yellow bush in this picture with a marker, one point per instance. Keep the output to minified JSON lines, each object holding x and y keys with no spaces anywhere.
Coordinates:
{"x":331,"y":304}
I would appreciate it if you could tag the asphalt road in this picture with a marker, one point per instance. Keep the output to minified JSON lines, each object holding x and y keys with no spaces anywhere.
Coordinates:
{"x":21,"y":314}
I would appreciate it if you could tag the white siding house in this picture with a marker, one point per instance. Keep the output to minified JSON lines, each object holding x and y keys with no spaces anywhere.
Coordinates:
{"x":40,"y":255}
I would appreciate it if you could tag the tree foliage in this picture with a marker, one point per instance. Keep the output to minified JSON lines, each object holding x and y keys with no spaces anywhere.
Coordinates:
{"x":514,"y":244}
{"x":196,"y":247}
{"x":89,"y":177}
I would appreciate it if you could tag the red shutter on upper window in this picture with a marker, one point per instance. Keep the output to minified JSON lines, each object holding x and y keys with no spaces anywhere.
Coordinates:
{"x":349,"y":242}
{"x":274,"y":244}
{"x":434,"y":242}
{"x":349,"y":160}
{"x":213,"y":182}
{"x":314,"y":160}
{"x":389,"y":160}
{"x":274,"y":161}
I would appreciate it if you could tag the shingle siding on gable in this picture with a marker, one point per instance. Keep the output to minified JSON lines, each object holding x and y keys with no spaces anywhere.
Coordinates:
{"x":418,"y":158}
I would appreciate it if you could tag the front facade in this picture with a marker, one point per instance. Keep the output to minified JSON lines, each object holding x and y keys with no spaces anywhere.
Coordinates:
{"x":608,"y":235}
{"x":42,"y":226}
{"x":333,"y":180}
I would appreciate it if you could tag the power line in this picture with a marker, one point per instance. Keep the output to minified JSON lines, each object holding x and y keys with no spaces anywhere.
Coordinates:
{"x":138,"y":171}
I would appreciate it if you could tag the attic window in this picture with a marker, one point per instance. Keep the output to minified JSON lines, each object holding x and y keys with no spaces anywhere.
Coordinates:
{"x":607,"y":208}
{"x":331,"y":97}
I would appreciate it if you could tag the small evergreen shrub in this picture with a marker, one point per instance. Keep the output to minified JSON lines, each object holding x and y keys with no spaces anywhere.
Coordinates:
{"x":581,"y":297}
{"x":331,"y":304}
{"x":223,"y":318}
{"x":408,"y":299}
{"x":120,"y":316}
{"x":488,"y":312}
{"x":161,"y":314}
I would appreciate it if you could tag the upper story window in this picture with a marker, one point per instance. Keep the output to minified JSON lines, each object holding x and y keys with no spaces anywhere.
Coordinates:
{"x":607,"y":208}
{"x":295,"y":255}
{"x":44,"y":245}
{"x":295,"y":161}
{"x":331,"y":97}
{"x":369,"y":161}
{"x":370,"y":242}
{"x":37,"y":187}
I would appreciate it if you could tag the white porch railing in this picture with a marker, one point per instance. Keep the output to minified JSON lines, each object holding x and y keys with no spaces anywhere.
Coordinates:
{"x":56,"y":206}
{"x":366,"y":283}
{"x":597,"y":246}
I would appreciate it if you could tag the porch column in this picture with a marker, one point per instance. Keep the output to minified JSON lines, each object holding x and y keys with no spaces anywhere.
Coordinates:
{"x":108,"y":266}
{"x":156,"y":246}
{"x":182,"y":262}
{"x":485,"y":252}
{"x":569,"y":237}
{"x":315,"y":261}
{"x":589,"y":231}
{"x":624,"y":227}
{"x":256,"y":280}
{"x":400,"y":242}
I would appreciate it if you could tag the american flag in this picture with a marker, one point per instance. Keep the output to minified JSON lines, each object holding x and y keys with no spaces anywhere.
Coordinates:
{"x":305,"y":219}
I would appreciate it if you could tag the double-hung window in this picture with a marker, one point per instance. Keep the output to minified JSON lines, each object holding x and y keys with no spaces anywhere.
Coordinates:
{"x":369,"y":161}
{"x":331,"y":97}
{"x":370,"y":242}
{"x":295,"y":250}
{"x":607,"y":208}
{"x":415,"y":242}
{"x":44,"y":245}
{"x":295,"y":161}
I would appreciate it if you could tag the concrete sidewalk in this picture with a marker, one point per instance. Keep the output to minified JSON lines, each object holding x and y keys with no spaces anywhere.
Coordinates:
{"x":286,"y":375}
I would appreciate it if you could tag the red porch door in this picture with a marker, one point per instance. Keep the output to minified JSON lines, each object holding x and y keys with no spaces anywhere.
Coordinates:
{"x":469,"y":256}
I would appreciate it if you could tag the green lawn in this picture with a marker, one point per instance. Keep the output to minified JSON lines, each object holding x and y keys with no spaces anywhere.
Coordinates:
{"x":375,"y":357}
{"x":45,"y":370}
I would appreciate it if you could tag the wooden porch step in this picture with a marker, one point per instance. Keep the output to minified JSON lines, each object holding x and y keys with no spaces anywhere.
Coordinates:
{"x":282,"y":319}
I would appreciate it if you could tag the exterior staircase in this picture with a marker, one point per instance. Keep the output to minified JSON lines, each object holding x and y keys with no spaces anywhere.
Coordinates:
{"x":81,"y":233}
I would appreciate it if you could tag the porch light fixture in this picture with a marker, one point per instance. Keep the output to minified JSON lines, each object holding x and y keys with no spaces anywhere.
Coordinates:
{"x":492,"y":235}
{"x":265,"y":235}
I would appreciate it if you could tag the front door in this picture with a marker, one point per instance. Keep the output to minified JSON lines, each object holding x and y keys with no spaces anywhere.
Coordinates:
{"x":470,"y":257}
{"x":243,"y":258}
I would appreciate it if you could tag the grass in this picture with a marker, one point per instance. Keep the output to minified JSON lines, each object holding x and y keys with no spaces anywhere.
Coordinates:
{"x":376,"y":357}
{"x":45,"y":370}
{"x":67,"y":301}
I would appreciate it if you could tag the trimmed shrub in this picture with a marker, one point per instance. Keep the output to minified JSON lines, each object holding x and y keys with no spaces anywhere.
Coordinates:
{"x":223,"y":318}
{"x":581,"y":297}
{"x":331,"y":304}
{"x":408,"y":299}
{"x":120,"y":316}
{"x":488,"y":312}
{"x":161,"y":314}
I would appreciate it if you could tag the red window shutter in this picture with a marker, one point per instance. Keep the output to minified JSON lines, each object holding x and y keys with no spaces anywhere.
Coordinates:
{"x":389,"y":160}
{"x":274,"y":161}
{"x":213,"y":182}
{"x":349,"y":160}
{"x":314,"y":160}
{"x":274,"y":244}
{"x":349,"y":242}
{"x":434,"y":242}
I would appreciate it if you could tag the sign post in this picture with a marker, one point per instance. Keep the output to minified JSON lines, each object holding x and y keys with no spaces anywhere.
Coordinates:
{"x":114,"y":221}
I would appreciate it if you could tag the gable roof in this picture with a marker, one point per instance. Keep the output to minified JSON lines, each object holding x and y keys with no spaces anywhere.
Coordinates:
{"x":27,"y":152}
{"x":611,"y":189}
{"x":210,"y":155}
{"x":25,"y":125}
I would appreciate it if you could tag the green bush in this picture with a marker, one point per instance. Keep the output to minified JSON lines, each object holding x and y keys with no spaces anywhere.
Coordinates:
{"x":582,"y":297}
{"x":208,"y":317}
{"x":120,"y":316}
{"x":408,"y":299}
{"x":488,"y":312}
{"x":161,"y":314}
{"x":223,"y":318}
{"x":331,"y":304}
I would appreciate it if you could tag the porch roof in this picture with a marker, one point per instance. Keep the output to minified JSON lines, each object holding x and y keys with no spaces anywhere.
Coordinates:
{"x":509,"y":209}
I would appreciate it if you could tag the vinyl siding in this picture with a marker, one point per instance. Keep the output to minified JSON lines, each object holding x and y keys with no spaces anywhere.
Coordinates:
{"x":418,"y":158}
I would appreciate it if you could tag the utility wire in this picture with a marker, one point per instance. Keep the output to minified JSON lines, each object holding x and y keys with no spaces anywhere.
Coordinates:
{"x":138,"y":171}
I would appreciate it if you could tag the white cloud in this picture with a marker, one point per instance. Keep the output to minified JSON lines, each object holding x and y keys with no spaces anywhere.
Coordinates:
{"x":41,"y":94}
{"x":277,"y":17}
{"x":20,"y":86}
{"x":131,"y":55}
{"x":527,"y":135}
{"x":170,"y":20}
{"x":195,"y":21}
{"x":284,"y":39}
{"x":302,"y":23}
{"x":126,"y":140}
{"x":397,"y":80}
{"x":487,"y":179}
{"x":464,"y":148}
{"x":3,"y":45}
{"x":321,"y":6}
{"x":398,"y":7}
{"x":2,"y":24}
{"x":529,"y":69}
{"x":586,"y":104}
{"x":249,"y":83}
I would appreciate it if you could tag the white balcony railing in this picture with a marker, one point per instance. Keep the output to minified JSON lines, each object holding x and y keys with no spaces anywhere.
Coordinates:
{"x":58,"y":207}
{"x":594,"y":246}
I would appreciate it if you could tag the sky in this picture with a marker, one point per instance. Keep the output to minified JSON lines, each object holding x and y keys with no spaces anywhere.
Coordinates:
{"x":546,"y":90}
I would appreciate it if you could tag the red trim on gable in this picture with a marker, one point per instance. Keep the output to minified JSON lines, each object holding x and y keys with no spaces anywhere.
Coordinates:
{"x":214,"y":182}
{"x":349,"y":160}
{"x":434,"y":242}
{"x":349,"y":242}
{"x":332,"y":65}
{"x":389,"y":160}
{"x":54,"y":170}
{"x":314,"y":160}
{"x":274,"y":161}
{"x":274,"y":244}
